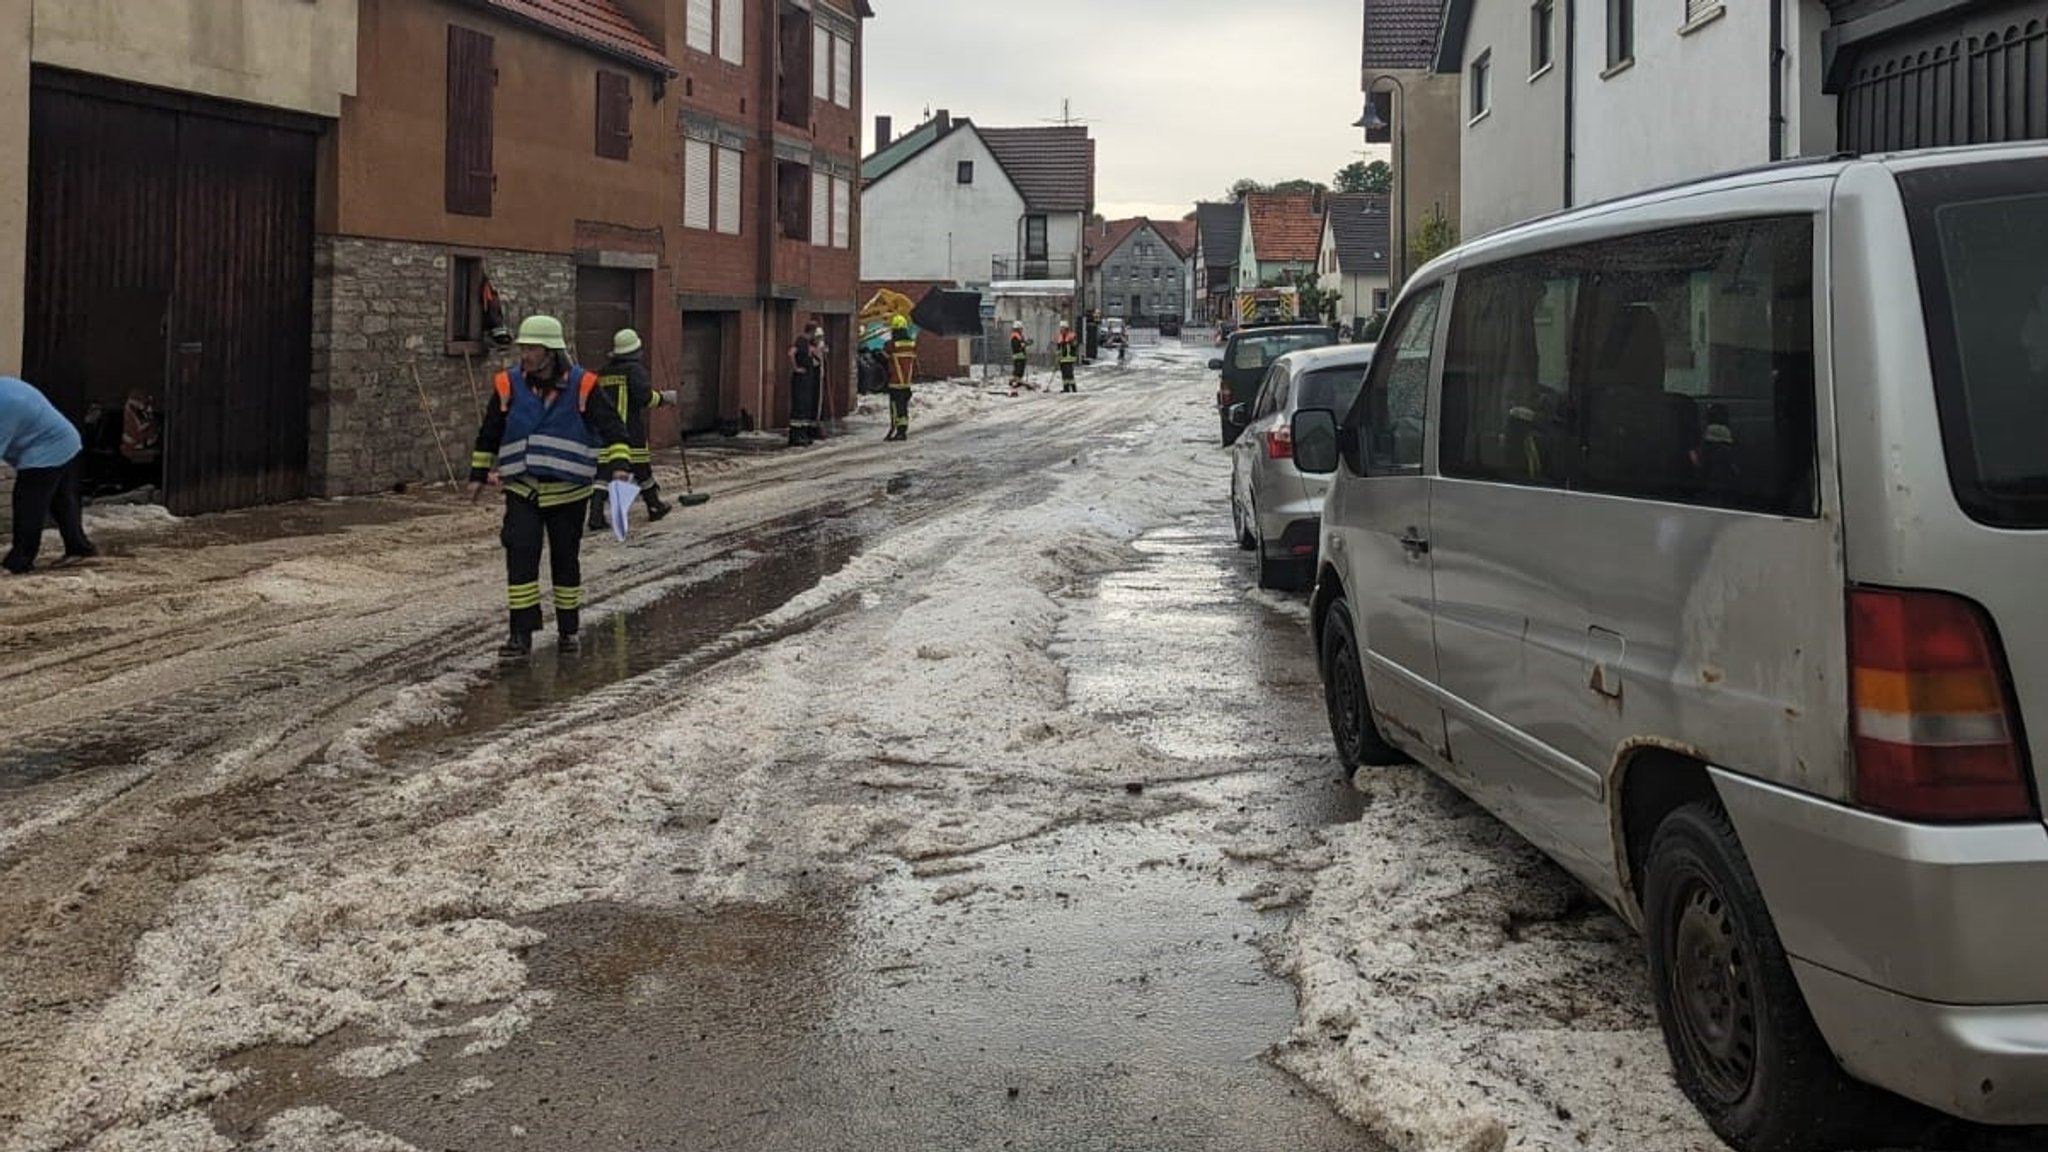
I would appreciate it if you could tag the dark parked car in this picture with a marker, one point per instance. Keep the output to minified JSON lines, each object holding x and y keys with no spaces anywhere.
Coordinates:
{"x":1247,"y":354}
{"x":1169,"y":325}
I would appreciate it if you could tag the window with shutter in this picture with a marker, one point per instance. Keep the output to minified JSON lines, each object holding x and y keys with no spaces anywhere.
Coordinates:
{"x":729,"y":191}
{"x":842,"y":72}
{"x":698,"y":30}
{"x":1700,"y":9}
{"x":821,"y":208}
{"x":732,"y":31}
{"x":697,"y":184}
{"x":472,"y":84}
{"x":821,"y":63}
{"x":842,"y":213}
{"x":614,"y":116}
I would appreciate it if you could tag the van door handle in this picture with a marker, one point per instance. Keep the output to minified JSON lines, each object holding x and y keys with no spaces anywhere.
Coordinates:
{"x":1415,"y":543}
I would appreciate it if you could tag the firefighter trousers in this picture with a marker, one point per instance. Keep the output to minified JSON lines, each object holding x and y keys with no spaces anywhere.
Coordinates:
{"x":899,"y":412}
{"x":527,"y":527}
{"x":1067,"y":376}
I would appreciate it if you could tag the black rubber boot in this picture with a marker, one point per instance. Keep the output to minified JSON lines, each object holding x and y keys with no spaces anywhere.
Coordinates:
{"x":568,"y":644}
{"x":656,"y":506}
{"x":517,"y":645}
{"x":599,"y":509}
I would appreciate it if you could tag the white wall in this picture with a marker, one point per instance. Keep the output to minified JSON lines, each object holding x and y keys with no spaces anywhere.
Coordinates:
{"x":920,"y":223}
{"x":1690,"y":105}
{"x":1511,"y":159}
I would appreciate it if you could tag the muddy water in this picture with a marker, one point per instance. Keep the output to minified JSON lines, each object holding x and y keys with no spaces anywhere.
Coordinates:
{"x":1099,"y":986}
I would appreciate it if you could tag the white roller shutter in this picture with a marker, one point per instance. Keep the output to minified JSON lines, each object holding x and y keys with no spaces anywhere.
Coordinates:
{"x":821,"y":209}
{"x":698,"y":31}
{"x":697,"y":184}
{"x":732,"y":31}
{"x":729,"y":191}
{"x":842,"y":72}
{"x":821,"y":63}
{"x":842,"y":213}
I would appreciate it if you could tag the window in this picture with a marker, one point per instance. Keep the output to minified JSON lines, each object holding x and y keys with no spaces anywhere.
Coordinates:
{"x":1379,"y":300}
{"x":1697,"y":10}
{"x":1482,"y":85}
{"x":1621,"y":32}
{"x":732,"y":31}
{"x":821,"y":208}
{"x":697,"y":32}
{"x":465,"y":304}
{"x":842,"y":71}
{"x":614,"y":116}
{"x":697,"y":192}
{"x":965,"y":173}
{"x":821,"y":63}
{"x":1675,"y":365}
{"x":796,"y":61}
{"x":729,"y":191}
{"x":472,"y":98}
{"x":1396,"y":395}
{"x":793,"y":199}
{"x":842,"y":212}
{"x":1034,"y":238}
{"x":1541,"y":52}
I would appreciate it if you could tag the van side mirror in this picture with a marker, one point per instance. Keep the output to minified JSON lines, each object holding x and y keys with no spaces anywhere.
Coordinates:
{"x":1315,"y":441}
{"x":1216,"y":365}
{"x":1237,"y":414}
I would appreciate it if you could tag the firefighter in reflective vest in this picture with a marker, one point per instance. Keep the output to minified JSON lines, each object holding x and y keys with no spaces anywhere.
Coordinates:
{"x":626,"y":388}
{"x":546,"y":436}
{"x":1019,"y":355}
{"x":902,"y":368}
{"x":1069,"y":348}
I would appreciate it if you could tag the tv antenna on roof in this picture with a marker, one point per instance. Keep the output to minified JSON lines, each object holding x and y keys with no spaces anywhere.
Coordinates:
{"x":1066,"y":118}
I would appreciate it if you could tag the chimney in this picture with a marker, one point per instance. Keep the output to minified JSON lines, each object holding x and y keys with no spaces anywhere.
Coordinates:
{"x":944,"y":120}
{"x":884,"y":132}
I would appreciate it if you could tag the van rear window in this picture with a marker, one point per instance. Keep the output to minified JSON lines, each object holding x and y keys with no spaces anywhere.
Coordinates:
{"x":1980,"y":239}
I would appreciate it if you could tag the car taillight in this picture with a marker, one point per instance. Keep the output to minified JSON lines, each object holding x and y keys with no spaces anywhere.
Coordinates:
{"x":1935,"y":734}
{"x":1280,"y":443}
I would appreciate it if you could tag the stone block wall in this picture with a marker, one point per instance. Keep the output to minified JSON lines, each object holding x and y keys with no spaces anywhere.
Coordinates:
{"x":383,"y":381}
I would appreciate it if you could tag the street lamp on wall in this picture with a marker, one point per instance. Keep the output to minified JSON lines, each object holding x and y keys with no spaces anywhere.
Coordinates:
{"x":1374,"y":123}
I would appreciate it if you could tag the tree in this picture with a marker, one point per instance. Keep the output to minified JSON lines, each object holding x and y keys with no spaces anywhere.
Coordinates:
{"x":1300,"y":186}
{"x":1358,"y":176}
{"x":1316,"y":302}
{"x":1245,"y":187}
{"x":1436,"y":236}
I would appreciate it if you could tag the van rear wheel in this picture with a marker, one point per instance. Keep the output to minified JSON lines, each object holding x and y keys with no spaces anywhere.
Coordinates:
{"x":1351,"y":724}
{"x":1743,"y":1046}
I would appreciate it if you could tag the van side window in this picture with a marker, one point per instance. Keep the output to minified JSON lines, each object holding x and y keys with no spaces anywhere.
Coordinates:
{"x":1675,"y":365}
{"x":1391,"y":410}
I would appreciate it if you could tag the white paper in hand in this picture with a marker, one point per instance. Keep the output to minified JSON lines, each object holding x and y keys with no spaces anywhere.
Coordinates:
{"x":623,"y":493}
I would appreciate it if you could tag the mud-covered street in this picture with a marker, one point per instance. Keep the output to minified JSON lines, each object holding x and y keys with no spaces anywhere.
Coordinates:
{"x":961,"y":793}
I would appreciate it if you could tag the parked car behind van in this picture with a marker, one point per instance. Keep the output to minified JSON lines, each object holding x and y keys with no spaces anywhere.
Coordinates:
{"x":1276,"y":511}
{"x":1701,"y":536}
{"x":1247,"y":352}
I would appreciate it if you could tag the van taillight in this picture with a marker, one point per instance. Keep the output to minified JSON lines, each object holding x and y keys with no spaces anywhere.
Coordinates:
{"x":1280,"y":443}
{"x":1935,"y":733}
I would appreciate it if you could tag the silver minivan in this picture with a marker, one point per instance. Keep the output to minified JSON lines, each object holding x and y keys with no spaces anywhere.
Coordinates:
{"x":1702,"y":537}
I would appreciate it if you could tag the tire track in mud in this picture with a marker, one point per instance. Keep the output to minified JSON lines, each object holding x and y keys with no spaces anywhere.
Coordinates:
{"x":234,"y":758}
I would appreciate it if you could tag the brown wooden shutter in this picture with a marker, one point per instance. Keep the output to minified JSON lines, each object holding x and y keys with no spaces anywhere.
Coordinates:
{"x":614,"y":116}
{"x":472,"y":92}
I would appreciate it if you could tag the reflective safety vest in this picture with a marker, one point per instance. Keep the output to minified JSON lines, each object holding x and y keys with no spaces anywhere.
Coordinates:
{"x":1069,"y":348}
{"x":1017,"y":346}
{"x":903,"y":345}
{"x":546,"y":441}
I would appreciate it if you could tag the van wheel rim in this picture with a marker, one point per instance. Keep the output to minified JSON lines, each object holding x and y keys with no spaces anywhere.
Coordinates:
{"x":1347,"y":696}
{"x":1712,"y":995}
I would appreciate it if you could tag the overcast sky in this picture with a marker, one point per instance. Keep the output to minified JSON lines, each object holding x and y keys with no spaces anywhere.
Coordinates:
{"x":1183,"y":97}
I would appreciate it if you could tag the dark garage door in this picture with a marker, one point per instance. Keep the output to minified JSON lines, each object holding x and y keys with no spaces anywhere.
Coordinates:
{"x":170,"y":252}
{"x":1976,"y":76}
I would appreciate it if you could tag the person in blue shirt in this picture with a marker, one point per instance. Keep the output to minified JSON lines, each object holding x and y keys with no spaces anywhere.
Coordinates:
{"x":44,"y":449}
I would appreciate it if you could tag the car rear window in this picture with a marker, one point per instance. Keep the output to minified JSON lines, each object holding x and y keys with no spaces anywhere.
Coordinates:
{"x":1259,"y":351}
{"x":1331,"y":388}
{"x":1980,"y":239}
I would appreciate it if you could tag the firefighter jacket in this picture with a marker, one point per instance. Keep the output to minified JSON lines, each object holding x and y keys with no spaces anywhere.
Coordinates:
{"x":628,"y":388}
{"x":903,"y":351}
{"x":1017,"y":346}
{"x":548,"y":450}
{"x":1069,"y":348}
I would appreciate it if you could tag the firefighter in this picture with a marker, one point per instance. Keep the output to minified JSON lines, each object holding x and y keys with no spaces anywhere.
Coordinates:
{"x":804,"y":378}
{"x":546,"y":436}
{"x":1069,"y":349}
{"x":628,"y":389}
{"x":45,"y":450}
{"x":902,"y":367}
{"x":1019,"y":355}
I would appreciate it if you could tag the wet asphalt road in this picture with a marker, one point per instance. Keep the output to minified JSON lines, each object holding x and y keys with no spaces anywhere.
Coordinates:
{"x":1103,"y":986}
{"x":1104,"y":989}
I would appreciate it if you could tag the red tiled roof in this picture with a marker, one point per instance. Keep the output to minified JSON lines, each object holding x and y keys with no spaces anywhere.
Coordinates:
{"x":597,"y":24}
{"x":1401,"y":34}
{"x":1181,"y":234}
{"x":1102,"y":239}
{"x":1285,"y":226}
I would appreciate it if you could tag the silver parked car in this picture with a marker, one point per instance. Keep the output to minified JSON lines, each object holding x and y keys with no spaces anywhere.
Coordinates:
{"x":1275,"y":510}
{"x":1717,"y":571}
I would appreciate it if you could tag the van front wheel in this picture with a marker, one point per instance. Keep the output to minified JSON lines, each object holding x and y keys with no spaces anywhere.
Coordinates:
{"x":1743,"y":1046}
{"x":1351,"y":724}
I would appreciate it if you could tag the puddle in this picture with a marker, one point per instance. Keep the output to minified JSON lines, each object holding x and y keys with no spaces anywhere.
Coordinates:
{"x":27,"y":766}
{"x":302,"y":518}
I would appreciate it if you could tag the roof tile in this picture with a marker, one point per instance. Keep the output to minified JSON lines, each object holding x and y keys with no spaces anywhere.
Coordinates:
{"x":1285,"y":226}
{"x":1360,"y":221}
{"x":596,"y":23}
{"x":1222,"y":232}
{"x":1053,"y":167}
{"x":1402,"y":33}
